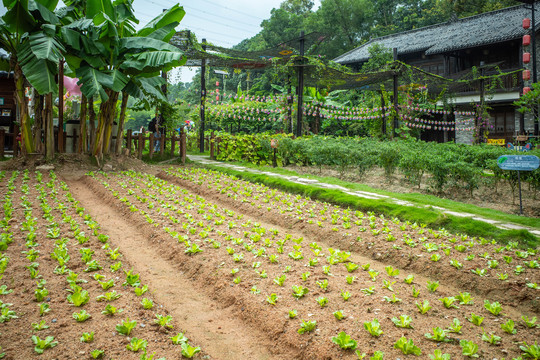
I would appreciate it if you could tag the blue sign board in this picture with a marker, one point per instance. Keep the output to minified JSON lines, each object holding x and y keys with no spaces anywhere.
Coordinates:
{"x":518,"y":162}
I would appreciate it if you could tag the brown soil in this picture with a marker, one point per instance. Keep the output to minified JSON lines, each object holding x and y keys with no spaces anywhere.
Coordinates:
{"x":211,"y":271}
{"x":488,"y":195}
{"x":227,"y":320}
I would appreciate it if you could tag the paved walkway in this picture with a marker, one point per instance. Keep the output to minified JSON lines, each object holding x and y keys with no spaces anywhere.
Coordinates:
{"x":364,"y":194}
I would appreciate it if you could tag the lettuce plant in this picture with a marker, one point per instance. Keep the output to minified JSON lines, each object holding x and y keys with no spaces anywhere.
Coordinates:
{"x":42,"y":345}
{"x":468,"y":348}
{"x":455,"y":327}
{"x":438,"y":355}
{"x":373,"y":327}
{"x":299,"y":291}
{"x":438,"y":335}
{"x":531,"y":323}
{"x":424,"y":307}
{"x":404,"y":321}
{"x":81,"y":316}
{"x":491,"y":338}
{"x":530,"y":351}
{"x":344,"y":341}
{"x":495,"y":308}
{"x":448,"y":302}
{"x":345,"y":295}
{"x":137,"y":344}
{"x":476,"y":319}
{"x":407,"y":347}
{"x":87,"y":337}
{"x":272,"y":299}
{"x":179,"y":339}
{"x":464,"y":298}
{"x":126,"y":327}
{"x":307,"y":326}
{"x":189,"y":351}
{"x":147,"y":303}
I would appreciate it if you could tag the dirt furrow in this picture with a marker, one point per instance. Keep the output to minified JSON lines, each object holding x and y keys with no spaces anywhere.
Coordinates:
{"x":210,"y":325}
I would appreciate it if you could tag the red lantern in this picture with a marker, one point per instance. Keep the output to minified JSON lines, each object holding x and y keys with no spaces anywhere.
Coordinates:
{"x":217,"y":97}
{"x":526,"y":57}
{"x":526,"y":75}
{"x":217,"y":83}
{"x":526,"y":23}
{"x":526,"y":40}
{"x":526,"y":90}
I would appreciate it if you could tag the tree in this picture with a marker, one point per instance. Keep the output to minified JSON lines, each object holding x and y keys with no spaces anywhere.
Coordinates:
{"x":297,"y":7}
{"x":111,"y":57}
{"x":28,"y":32}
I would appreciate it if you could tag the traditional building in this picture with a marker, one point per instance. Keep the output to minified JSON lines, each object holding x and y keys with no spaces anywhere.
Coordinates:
{"x":489,"y":42}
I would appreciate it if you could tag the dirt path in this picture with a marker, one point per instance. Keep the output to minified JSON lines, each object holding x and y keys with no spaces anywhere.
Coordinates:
{"x":214,"y":328}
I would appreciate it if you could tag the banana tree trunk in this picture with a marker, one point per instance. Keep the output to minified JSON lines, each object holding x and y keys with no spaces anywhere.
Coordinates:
{"x":104,"y":128}
{"x":92,"y":119}
{"x":38,"y":121}
{"x":120,"y":131}
{"x":26,"y":131}
{"x":82,"y":127}
{"x":49,"y":130}
{"x":110,"y":123}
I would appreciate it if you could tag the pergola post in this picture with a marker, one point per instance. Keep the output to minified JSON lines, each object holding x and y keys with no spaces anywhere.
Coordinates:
{"x":300,"y":88}
{"x":203,"y":98}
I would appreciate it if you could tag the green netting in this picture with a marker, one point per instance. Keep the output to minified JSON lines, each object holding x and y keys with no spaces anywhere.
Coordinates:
{"x":333,"y":76}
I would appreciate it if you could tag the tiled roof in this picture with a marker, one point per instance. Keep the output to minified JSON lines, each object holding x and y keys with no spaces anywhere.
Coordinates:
{"x":487,"y":28}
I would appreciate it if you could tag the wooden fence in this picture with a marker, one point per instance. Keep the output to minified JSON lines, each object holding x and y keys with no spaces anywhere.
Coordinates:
{"x":132,"y":144}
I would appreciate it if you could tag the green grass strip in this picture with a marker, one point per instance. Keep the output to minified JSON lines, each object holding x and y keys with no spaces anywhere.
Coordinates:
{"x":416,"y":198}
{"x":429,"y":216}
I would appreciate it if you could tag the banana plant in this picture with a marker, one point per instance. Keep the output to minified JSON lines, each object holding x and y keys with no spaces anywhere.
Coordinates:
{"x":110,"y":57}
{"x":28,"y":33}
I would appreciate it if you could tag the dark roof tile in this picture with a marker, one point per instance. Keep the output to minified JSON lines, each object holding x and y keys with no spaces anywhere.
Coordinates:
{"x":483,"y":29}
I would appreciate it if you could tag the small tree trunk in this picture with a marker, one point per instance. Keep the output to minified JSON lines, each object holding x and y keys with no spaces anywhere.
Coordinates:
{"x":82,"y":127}
{"x":120,"y":131}
{"x":49,"y":133}
{"x":109,"y":122}
{"x":38,"y":122}
{"x":26,"y":132}
{"x":92,"y":119}
{"x":61,"y":144}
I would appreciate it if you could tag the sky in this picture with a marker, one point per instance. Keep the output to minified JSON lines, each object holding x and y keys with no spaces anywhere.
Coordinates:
{"x":221,"y":22}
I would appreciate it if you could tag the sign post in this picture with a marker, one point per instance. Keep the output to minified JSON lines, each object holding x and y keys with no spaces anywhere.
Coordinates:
{"x":518,"y":163}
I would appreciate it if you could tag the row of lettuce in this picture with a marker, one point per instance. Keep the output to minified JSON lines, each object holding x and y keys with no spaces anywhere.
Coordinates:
{"x":447,"y":165}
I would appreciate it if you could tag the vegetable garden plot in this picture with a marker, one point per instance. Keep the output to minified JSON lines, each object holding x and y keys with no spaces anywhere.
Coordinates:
{"x":502,"y":273}
{"x":65,"y":290}
{"x":317,"y":299}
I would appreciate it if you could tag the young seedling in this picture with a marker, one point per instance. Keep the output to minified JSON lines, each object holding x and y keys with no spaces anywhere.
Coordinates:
{"x":424,"y":307}
{"x":438,"y":335}
{"x":322,"y":301}
{"x":40,"y":326}
{"x":137,"y":344}
{"x":292,"y":314}
{"x":97,"y":353}
{"x":432,"y":286}
{"x":189,"y":351}
{"x":464,"y":298}
{"x":530,"y":351}
{"x":448,"y":302}
{"x":438,"y":355}
{"x":345,"y":295}
{"x":299,"y":291}
{"x":179,"y":339}
{"x":455,"y":327}
{"x":307,"y":326}
{"x":373,"y":327}
{"x":87,"y":337}
{"x":147,"y":304}
{"x":81,"y":316}
{"x":407,"y":347}
{"x":163,"y":321}
{"x":42,"y":345}
{"x":272,"y":299}
{"x":338,"y":314}
{"x":126,"y":327}
{"x":344,"y":341}
{"x":531,"y":323}
{"x":404,"y":321}
{"x":491,"y":338}
{"x":476,"y":319}
{"x":509,"y":327}
{"x":409,"y":279}
{"x":494,"y":308}
{"x":468,"y":348}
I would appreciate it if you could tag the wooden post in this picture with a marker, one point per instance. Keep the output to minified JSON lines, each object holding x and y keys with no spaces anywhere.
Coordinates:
{"x":212,"y":146}
{"x":74,"y":143}
{"x":300,"y":110}
{"x":129,"y":141}
{"x":162,"y":143}
{"x":173,"y":139}
{"x":151,"y":146}
{"x":64,"y":140}
{"x":396,"y":96}
{"x":183,"y":146}
{"x":61,"y":142}
{"x":2,"y":142}
{"x":141,"y":145}
{"x":203,"y":99}
{"x":15,"y":142}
